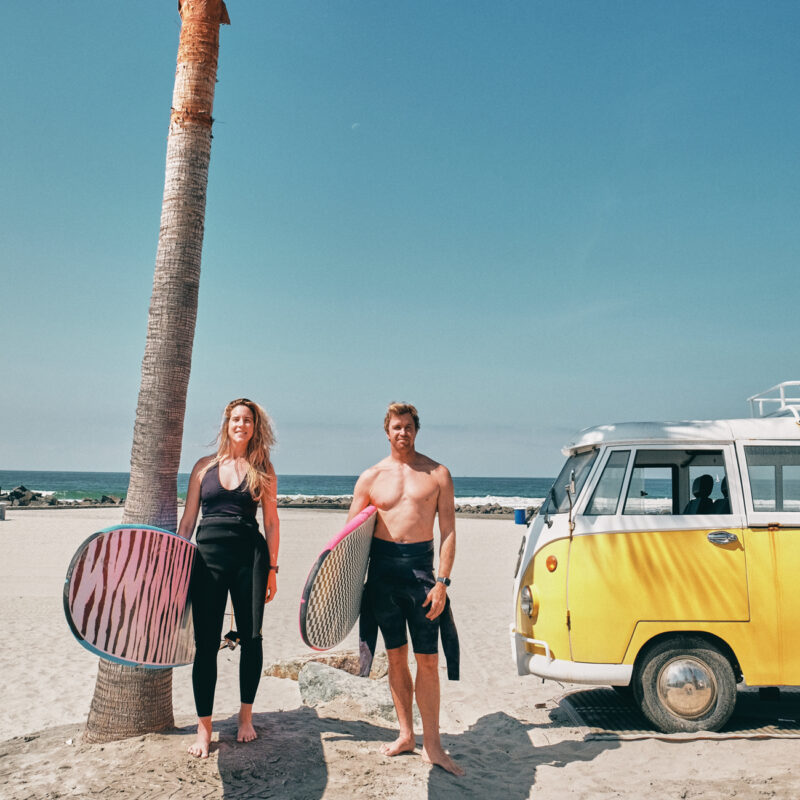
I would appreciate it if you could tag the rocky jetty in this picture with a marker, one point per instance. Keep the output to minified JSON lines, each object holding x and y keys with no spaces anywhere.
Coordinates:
{"x":343,"y":503}
{"x":314,"y":501}
{"x":22,"y":497}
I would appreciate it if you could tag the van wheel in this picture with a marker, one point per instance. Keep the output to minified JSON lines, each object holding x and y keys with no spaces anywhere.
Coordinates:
{"x":685,"y":684}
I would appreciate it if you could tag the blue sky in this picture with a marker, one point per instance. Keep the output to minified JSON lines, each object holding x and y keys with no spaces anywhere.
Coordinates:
{"x":524,"y":217}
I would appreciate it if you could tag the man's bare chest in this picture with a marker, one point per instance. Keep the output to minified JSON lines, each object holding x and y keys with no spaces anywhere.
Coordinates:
{"x":390,"y":491}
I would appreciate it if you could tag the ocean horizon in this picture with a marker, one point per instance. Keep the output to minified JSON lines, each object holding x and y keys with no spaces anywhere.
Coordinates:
{"x":73,"y":486}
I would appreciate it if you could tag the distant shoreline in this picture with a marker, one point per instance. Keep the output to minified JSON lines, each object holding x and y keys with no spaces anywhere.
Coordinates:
{"x":494,"y":510}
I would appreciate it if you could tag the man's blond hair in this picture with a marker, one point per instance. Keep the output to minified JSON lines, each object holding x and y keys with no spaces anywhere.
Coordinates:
{"x":397,"y":410}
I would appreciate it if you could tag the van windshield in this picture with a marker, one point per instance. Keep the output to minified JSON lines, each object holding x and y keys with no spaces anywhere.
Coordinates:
{"x":557,"y":501}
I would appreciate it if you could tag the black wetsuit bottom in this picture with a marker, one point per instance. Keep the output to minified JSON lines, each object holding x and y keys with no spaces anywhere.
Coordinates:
{"x":226,"y":563}
{"x":399,"y":579}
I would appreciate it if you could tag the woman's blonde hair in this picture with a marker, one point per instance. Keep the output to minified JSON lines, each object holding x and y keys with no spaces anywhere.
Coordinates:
{"x":258,"y":448}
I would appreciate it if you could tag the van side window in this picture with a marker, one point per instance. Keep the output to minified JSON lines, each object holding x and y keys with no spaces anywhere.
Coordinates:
{"x":606,"y":496}
{"x":651,"y":490}
{"x":678,"y":482}
{"x":774,"y":474}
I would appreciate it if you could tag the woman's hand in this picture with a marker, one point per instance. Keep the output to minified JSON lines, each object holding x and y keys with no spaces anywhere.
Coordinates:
{"x":272,"y":586}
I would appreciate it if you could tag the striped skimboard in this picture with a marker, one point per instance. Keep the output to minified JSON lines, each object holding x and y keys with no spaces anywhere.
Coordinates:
{"x":126,"y":596}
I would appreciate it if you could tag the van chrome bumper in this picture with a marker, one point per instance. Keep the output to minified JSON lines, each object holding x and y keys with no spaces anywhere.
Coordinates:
{"x":554,"y":669}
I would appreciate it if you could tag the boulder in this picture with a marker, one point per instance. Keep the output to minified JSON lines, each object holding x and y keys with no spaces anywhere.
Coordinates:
{"x":21,"y":495}
{"x":320,"y":684}
{"x":110,"y":498}
{"x":346,"y":660}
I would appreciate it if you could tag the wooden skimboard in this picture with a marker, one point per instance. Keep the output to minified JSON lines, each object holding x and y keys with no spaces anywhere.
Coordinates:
{"x":126,"y":596}
{"x":331,"y":599}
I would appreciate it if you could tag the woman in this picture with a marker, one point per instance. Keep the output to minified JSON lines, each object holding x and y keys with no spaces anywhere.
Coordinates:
{"x":232,"y":556}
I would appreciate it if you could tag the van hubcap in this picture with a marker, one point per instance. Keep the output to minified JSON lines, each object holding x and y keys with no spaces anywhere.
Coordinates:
{"x":687,"y":687}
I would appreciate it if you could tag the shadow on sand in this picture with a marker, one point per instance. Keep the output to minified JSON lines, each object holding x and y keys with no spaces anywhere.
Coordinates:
{"x":288,"y":759}
{"x":501,"y":759}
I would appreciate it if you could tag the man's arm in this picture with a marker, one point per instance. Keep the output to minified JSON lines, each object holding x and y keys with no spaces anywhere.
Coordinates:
{"x":361,"y":493}
{"x":446,"y":509}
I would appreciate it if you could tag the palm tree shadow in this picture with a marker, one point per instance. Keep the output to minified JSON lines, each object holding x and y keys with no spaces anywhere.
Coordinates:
{"x":501,"y":760}
{"x":287,"y":760}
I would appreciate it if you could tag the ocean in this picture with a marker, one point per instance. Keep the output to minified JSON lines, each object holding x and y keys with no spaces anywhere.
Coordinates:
{"x":516,"y":492}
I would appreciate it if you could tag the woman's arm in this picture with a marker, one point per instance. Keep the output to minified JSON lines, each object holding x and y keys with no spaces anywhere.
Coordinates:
{"x":192,"y":507}
{"x":272,"y":532}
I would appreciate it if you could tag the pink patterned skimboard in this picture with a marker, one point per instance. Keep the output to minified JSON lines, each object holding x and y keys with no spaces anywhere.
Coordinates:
{"x":126,"y":596}
{"x":331,"y":599}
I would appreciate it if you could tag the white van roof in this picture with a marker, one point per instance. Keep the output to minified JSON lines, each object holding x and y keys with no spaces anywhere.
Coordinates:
{"x":718,"y":431}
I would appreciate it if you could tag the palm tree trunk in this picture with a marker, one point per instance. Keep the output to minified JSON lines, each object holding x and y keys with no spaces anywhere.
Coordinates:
{"x":130,"y":701}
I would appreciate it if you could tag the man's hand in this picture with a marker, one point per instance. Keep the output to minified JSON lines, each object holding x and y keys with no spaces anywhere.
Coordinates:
{"x":436,"y":598}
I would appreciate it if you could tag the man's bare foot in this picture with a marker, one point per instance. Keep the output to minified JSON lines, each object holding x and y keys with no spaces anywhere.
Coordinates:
{"x":200,"y":747}
{"x":399,"y":745}
{"x":247,"y":733}
{"x":442,"y":759}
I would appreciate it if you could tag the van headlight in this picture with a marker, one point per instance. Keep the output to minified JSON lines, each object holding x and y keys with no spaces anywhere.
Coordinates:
{"x":526,"y":601}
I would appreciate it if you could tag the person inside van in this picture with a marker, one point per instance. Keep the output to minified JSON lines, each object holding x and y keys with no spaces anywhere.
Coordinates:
{"x":723,"y":505}
{"x":702,"y":487}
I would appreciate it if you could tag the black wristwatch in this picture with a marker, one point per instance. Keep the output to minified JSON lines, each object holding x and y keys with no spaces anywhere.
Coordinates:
{"x":445,"y":581}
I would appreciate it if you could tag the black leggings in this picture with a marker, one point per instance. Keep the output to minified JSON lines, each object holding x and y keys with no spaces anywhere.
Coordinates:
{"x":226,"y":562}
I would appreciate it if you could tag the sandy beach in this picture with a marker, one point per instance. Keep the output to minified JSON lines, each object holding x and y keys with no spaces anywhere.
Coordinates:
{"x":511,"y":733}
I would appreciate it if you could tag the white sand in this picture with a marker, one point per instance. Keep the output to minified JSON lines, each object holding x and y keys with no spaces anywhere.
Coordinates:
{"x":490,"y":719}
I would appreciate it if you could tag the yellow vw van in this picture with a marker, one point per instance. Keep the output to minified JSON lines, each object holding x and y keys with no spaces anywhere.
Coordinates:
{"x":666,"y":559}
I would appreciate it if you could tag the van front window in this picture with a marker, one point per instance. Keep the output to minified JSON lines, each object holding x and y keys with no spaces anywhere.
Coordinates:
{"x":580,"y":464}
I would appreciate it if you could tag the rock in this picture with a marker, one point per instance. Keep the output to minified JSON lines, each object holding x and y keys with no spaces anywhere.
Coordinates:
{"x":22,"y":496}
{"x":320,"y":684}
{"x":315,"y":501}
{"x":110,"y":498}
{"x":345,"y":660}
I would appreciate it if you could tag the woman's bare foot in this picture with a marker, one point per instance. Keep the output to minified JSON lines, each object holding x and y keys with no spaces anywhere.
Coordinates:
{"x":399,"y":745}
{"x":247,"y":733}
{"x":442,"y":759}
{"x":200,"y":747}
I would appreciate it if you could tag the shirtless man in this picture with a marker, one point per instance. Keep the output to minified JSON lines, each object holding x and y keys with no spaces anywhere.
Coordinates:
{"x":408,"y":490}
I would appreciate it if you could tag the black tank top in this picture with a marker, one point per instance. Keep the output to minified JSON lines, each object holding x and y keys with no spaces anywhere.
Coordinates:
{"x":217,"y":501}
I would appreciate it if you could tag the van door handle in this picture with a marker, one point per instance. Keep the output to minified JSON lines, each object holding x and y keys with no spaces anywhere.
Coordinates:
{"x":722,"y":537}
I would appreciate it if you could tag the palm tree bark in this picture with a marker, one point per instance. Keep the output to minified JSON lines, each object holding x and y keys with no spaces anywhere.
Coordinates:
{"x":129,"y":701}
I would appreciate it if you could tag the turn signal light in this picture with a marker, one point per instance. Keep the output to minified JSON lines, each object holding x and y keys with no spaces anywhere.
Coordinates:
{"x":551,"y":563}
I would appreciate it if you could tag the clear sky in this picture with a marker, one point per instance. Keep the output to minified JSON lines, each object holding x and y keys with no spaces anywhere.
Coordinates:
{"x":525,"y":217}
